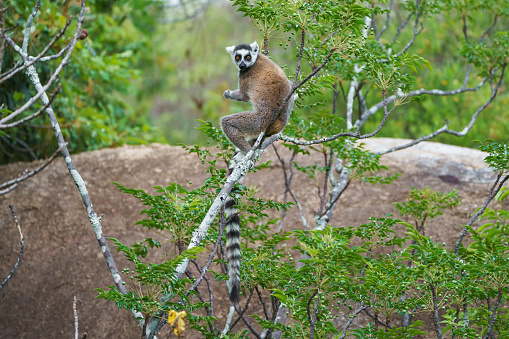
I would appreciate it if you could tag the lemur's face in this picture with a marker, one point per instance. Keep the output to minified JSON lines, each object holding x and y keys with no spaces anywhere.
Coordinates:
{"x":244,"y":55}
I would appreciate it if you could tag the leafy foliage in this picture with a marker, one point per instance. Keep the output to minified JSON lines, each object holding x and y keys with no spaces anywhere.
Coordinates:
{"x":93,"y":107}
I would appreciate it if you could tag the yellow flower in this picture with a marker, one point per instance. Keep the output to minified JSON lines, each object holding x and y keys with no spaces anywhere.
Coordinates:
{"x":176,"y":320}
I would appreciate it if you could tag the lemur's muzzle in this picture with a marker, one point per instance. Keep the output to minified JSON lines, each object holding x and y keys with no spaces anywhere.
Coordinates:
{"x":242,"y":66}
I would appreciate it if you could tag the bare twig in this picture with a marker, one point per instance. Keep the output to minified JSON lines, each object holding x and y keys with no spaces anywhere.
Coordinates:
{"x":75,"y":310}
{"x":8,"y":189}
{"x":416,"y":33}
{"x":13,"y":68}
{"x":356,"y":135}
{"x":228,"y":320}
{"x":22,"y":246}
{"x":378,"y":320}
{"x":288,"y":181}
{"x":241,"y":314}
{"x":39,"y":57}
{"x":422,"y":91}
{"x":465,"y":33}
{"x":36,"y":114}
{"x":312,"y":324}
{"x":210,"y":309}
{"x":2,"y":34}
{"x":485,"y":34}
{"x":27,"y":175}
{"x":287,"y":184}
{"x":493,"y":192}
{"x":445,"y":128}
{"x":350,"y":321}
{"x":493,"y":316}
{"x":436,"y":319}
{"x":209,"y":261}
{"x":377,"y":36}
{"x":261,"y":302}
{"x":35,"y":79}
{"x":309,"y":304}
{"x":247,"y":322}
{"x":28,"y":28}
{"x":303,"y":81}
{"x":400,"y":28}
{"x":299,"y":59}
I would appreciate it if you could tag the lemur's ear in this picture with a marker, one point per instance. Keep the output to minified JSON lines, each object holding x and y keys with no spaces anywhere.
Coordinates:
{"x":230,"y":49}
{"x":254,"y":47}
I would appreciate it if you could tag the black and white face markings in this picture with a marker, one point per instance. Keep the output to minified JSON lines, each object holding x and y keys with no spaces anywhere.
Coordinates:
{"x":244,"y":55}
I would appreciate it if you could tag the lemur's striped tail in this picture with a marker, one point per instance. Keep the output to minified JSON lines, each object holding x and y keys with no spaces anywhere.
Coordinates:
{"x":233,"y":248}
{"x":233,"y":238}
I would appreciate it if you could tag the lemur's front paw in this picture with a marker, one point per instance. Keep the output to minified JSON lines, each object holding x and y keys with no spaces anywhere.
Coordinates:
{"x":227,"y":94}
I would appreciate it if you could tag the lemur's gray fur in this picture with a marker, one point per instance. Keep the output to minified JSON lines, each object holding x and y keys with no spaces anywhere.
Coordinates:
{"x":263,"y":83}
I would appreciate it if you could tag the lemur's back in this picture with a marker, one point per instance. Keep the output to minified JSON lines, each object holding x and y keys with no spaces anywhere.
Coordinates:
{"x":266,"y":84}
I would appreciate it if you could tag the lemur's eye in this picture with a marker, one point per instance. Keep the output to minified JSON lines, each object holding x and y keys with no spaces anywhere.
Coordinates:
{"x":248,"y":57}
{"x":237,"y":57}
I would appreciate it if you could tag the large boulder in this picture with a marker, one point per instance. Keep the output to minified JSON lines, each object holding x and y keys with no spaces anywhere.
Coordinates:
{"x":62,"y":258}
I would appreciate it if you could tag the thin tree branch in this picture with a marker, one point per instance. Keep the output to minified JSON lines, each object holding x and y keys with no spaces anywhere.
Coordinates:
{"x":22,"y":246}
{"x":228,"y":320}
{"x":35,"y":79}
{"x":493,"y":192}
{"x":2,"y":34}
{"x":377,"y":36}
{"x":350,"y":321}
{"x":309,"y":304}
{"x":299,"y":59}
{"x":246,"y":322}
{"x":209,"y":286}
{"x":241,"y":314}
{"x":445,"y":129}
{"x":261,"y":302}
{"x":400,"y":28}
{"x":493,"y":316}
{"x":436,"y":319}
{"x":485,"y":34}
{"x":328,"y":164}
{"x":36,"y":114}
{"x":13,"y":68}
{"x":75,"y":310}
{"x":313,"y":318}
{"x":288,"y":181}
{"x":438,"y":92}
{"x":27,"y":175}
{"x":8,"y":189}
{"x":39,"y":57}
{"x":378,"y":320}
{"x":465,"y":33}
{"x":356,"y":135}
{"x":209,"y":261}
{"x":28,"y":28}
{"x":416,"y":33}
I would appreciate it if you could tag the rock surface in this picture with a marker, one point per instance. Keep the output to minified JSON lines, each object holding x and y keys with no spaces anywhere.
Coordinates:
{"x":62,"y":258}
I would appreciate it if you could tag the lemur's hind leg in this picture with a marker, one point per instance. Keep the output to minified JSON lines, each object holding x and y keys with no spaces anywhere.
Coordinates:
{"x":242,"y":127}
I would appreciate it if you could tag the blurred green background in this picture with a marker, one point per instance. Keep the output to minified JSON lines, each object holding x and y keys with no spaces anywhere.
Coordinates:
{"x":149,"y":69}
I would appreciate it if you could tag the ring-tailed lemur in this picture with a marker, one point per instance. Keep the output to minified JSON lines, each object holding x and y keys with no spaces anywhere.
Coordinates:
{"x":263,"y":83}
